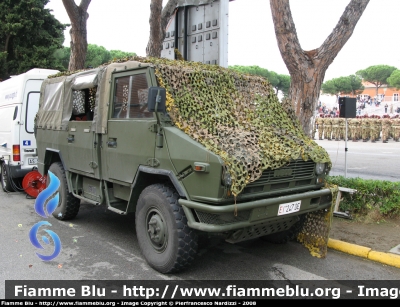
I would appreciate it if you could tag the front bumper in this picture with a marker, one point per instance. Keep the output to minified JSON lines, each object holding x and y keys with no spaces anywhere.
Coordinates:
{"x":212,"y":218}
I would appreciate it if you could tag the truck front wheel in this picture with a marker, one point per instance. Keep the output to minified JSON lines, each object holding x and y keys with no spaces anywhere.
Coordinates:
{"x":6,"y":183}
{"x":68,"y":206}
{"x":166,"y":241}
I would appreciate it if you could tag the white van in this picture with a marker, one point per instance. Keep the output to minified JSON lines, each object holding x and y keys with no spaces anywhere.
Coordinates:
{"x":19,"y":102}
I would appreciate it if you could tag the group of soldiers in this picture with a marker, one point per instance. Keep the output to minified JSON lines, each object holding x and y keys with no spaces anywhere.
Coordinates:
{"x":366,"y":128}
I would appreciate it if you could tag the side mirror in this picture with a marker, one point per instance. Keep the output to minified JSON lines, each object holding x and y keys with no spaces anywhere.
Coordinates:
{"x":156,"y":99}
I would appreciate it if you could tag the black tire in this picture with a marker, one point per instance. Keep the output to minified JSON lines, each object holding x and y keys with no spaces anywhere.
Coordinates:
{"x":286,"y":235}
{"x":6,"y":181}
{"x":68,"y":206}
{"x":166,"y":241}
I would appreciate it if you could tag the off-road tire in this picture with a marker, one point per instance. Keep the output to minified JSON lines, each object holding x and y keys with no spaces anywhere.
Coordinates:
{"x":286,"y":235}
{"x":166,"y":241}
{"x":6,"y":182}
{"x":68,"y":206}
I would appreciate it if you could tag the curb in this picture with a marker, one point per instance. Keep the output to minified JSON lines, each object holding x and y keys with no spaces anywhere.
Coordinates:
{"x":365,"y":252}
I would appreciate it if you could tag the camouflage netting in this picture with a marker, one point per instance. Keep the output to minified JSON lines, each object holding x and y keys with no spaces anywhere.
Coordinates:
{"x":236,"y":116}
{"x":315,"y":231}
{"x":240,"y":118}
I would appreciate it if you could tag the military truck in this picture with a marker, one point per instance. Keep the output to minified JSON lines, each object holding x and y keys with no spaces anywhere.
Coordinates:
{"x":186,"y":147}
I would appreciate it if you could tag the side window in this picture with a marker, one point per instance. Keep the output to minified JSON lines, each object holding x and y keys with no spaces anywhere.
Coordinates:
{"x":130,"y":97}
{"x":32,"y":106}
{"x":83,"y":104}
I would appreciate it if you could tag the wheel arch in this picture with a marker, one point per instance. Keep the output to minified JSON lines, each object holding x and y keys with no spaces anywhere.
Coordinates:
{"x":147,"y":176}
{"x":51,"y":156}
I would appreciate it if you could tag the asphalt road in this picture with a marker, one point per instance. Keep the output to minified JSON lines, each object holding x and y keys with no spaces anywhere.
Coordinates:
{"x":379,"y":161}
{"x":102,"y":245}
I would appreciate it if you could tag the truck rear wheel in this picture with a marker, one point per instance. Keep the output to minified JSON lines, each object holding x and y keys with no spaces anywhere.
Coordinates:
{"x":68,"y":206}
{"x":286,"y":235}
{"x":6,"y":181}
{"x":166,"y":241}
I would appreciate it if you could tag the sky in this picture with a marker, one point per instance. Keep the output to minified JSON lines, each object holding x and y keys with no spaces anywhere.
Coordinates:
{"x":124,"y":25}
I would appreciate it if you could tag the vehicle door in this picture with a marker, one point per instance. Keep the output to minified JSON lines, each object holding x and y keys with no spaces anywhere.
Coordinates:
{"x":30,"y":106}
{"x":81,"y":140}
{"x":129,"y":141}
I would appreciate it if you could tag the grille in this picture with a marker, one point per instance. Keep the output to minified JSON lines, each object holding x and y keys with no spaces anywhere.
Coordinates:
{"x":299,"y":170}
{"x":223,"y":218}
{"x":262,"y":229}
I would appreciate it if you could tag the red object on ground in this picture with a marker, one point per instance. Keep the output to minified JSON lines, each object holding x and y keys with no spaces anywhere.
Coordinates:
{"x":34,"y":183}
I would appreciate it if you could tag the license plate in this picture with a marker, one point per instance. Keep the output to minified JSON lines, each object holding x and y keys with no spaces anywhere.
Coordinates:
{"x":289,"y":207}
{"x":32,"y":161}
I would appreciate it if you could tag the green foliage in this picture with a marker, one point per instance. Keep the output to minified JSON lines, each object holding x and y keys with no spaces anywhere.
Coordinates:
{"x":356,"y":84}
{"x":343,"y":84}
{"x":329,"y":87}
{"x":95,"y":56}
{"x":118,"y":54}
{"x":279,"y":82}
{"x":283,"y":85}
{"x":62,"y":56}
{"x":383,"y":196}
{"x":346,"y":85}
{"x":29,"y":34}
{"x":377,"y":74}
{"x":394,"y":79}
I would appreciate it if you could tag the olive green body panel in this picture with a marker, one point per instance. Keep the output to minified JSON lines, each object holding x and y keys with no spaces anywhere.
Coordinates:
{"x":128,"y":144}
{"x":81,"y":154}
{"x":52,"y":147}
{"x":184,"y":153}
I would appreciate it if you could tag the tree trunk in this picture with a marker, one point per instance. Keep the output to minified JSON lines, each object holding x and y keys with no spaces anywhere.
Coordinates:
{"x":159,"y":19}
{"x":78,"y":16}
{"x":156,"y":34}
{"x":7,"y":42}
{"x":307,"y":68}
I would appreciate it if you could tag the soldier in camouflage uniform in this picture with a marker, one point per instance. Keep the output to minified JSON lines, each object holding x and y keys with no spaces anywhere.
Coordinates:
{"x":365,"y":131}
{"x":335,"y":129}
{"x":396,"y":128}
{"x":358,"y":128}
{"x":380,"y":127}
{"x":342,"y":128}
{"x":386,"y":126}
{"x":314,"y":130}
{"x":352,"y":129}
{"x":375,"y":128}
{"x":328,"y":128}
{"x":320,"y":122}
{"x":391,"y":134}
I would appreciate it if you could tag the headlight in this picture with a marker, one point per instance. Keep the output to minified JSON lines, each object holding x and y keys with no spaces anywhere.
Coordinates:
{"x":319,"y":168}
{"x":226,"y":177}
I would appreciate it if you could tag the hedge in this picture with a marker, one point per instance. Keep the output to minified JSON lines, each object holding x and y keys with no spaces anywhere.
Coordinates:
{"x":380,"y":195}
